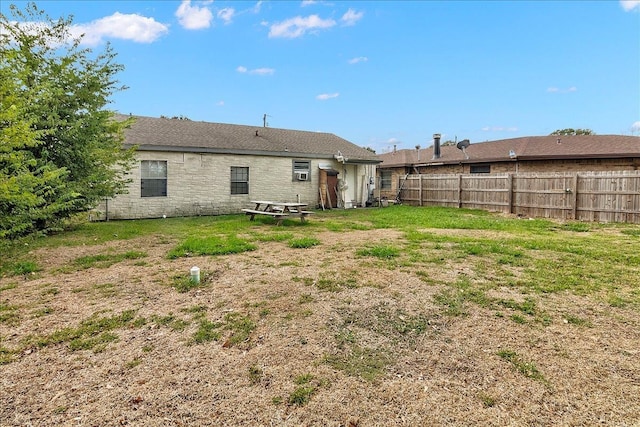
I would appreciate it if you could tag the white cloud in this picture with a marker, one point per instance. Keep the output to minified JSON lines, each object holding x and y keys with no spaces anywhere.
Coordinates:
{"x":351,"y":17}
{"x":226,"y":14}
{"x":193,"y":17}
{"x":34,"y":28}
{"x":325,"y":96}
{"x":306,"y":3}
{"x":358,"y":59}
{"x":258,"y":71}
{"x":560,"y":90}
{"x":298,"y":26}
{"x":263,"y":71}
{"x":120,"y":26}
{"x":629,"y":5}
{"x":635,"y":127}
{"x":220,"y":103}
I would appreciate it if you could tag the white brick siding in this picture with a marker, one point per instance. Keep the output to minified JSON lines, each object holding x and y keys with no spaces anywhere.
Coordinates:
{"x":200,"y":184}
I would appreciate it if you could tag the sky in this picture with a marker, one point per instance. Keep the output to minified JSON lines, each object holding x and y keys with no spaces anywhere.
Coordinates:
{"x":377,"y":73}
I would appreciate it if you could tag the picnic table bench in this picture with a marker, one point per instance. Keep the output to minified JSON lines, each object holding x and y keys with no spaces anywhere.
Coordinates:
{"x":277,"y":210}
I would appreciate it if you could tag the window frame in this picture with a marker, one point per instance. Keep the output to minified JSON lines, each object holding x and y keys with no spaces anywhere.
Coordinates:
{"x":482,"y":168}
{"x":239,"y":180}
{"x":153,"y":183}
{"x":386,"y":181}
{"x":300,"y":166}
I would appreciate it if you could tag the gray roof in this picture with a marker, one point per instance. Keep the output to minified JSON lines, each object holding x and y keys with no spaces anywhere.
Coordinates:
{"x":164,"y":134}
{"x":525,"y":148}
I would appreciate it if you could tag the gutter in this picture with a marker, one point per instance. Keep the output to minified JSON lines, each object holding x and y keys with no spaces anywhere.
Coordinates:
{"x":201,"y":150}
{"x":521,"y":158}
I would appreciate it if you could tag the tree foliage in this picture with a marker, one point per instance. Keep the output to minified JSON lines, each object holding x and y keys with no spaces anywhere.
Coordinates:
{"x":60,"y":147}
{"x":570,"y":131}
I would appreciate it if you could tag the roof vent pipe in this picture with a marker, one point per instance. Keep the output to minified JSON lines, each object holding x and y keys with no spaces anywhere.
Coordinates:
{"x":436,"y":145}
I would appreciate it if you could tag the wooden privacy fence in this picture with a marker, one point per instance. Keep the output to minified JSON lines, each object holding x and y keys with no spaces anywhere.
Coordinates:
{"x":584,"y":196}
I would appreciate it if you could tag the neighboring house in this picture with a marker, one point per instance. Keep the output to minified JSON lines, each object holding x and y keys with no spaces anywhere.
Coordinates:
{"x":516,"y":155}
{"x":186,"y":168}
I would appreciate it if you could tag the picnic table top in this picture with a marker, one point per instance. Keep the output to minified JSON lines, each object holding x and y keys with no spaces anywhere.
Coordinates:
{"x":288,"y":204}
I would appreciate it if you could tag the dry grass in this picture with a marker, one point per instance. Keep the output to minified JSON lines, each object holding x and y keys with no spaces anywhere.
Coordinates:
{"x":306,"y":336}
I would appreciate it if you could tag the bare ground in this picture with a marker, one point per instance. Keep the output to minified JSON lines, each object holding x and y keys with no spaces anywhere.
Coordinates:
{"x":450,"y":373}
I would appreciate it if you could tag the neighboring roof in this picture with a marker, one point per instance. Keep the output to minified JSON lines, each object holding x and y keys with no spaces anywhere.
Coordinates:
{"x":164,"y":134}
{"x":525,"y":148}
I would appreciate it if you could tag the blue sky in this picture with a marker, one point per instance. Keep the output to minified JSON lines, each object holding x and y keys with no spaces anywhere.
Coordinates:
{"x":377,"y":73}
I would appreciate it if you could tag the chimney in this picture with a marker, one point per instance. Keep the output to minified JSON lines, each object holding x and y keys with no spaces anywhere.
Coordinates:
{"x":394,"y":148}
{"x":436,"y":145}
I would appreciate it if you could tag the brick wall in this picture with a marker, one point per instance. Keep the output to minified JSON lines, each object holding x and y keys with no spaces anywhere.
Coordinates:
{"x":200,"y":184}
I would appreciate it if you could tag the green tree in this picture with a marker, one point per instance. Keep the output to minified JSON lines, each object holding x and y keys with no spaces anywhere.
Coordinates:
{"x":62,"y":148}
{"x":25,"y":181}
{"x":570,"y":131}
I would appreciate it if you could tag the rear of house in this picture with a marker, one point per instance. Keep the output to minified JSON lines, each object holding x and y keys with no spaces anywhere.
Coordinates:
{"x":186,"y":168}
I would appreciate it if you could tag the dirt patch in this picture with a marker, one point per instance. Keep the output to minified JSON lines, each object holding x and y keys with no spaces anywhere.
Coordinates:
{"x":332,"y":339}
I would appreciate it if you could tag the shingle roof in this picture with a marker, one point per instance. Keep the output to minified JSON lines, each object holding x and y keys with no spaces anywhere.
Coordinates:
{"x":525,"y":148}
{"x":163,"y":134}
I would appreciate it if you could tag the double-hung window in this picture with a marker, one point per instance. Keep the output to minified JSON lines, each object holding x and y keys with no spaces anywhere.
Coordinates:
{"x":239,"y":180}
{"x":385,"y":180}
{"x":153,"y":182}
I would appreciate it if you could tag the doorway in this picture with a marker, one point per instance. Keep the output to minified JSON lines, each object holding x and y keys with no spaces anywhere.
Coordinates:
{"x":332,"y":185}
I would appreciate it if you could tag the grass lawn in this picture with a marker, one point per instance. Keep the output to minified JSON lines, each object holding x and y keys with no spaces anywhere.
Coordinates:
{"x":394,"y":316}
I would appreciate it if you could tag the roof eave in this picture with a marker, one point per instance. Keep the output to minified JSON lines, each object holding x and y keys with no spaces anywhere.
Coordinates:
{"x":363,"y":161}
{"x":204,"y":150}
{"x":518,"y":158}
{"x":581,"y":156}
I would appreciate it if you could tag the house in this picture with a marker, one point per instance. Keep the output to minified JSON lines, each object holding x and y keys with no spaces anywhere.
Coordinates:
{"x":186,"y":168}
{"x":573,"y":153}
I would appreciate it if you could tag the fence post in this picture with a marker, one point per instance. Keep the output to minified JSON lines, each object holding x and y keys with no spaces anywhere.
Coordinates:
{"x":420,"y":189}
{"x":459,"y":190}
{"x":574,"y":198}
{"x":510,"y":195}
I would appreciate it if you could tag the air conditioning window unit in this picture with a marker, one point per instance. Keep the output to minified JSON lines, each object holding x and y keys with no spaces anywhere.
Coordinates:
{"x":302,"y":176}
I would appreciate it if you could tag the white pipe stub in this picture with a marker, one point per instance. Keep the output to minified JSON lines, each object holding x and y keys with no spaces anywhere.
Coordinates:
{"x":195,"y":274}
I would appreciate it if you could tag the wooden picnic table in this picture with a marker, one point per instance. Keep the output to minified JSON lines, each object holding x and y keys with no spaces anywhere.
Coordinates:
{"x":277,"y":210}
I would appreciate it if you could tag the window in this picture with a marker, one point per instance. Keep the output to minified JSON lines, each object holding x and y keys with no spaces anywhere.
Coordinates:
{"x":153,"y":182}
{"x":385,"y":180}
{"x":301,"y":170}
{"x":239,"y":180}
{"x":480,"y":169}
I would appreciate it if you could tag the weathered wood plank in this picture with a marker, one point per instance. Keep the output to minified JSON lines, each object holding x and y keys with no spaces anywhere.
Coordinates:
{"x":592,"y":196}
